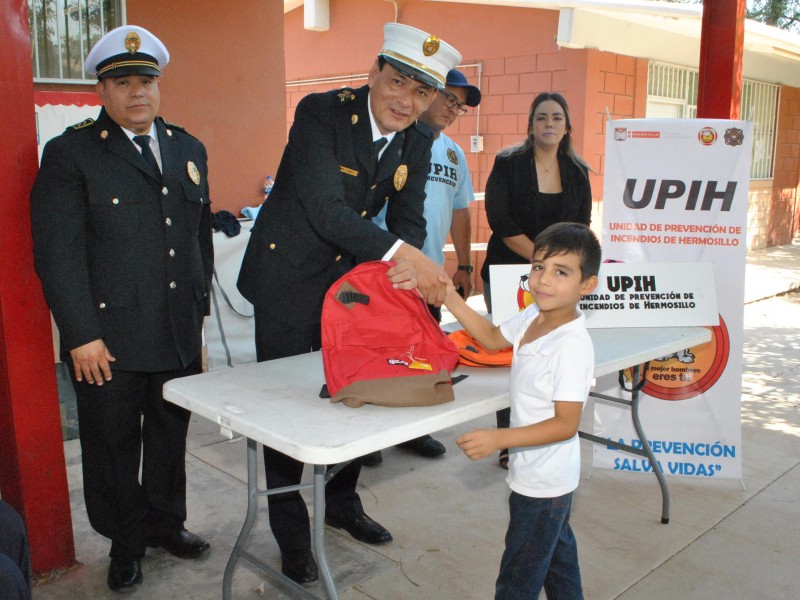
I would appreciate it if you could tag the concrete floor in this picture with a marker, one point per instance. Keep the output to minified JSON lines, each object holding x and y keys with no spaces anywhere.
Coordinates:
{"x":725,"y":539}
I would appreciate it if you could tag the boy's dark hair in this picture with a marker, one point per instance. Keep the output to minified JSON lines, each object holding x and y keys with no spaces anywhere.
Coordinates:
{"x":563,"y":238}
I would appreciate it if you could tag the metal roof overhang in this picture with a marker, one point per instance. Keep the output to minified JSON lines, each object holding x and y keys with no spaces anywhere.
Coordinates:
{"x":656,"y":30}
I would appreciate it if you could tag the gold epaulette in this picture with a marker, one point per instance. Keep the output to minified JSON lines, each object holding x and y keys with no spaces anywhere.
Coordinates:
{"x":345,"y":96}
{"x":82,"y":125}
{"x":173,"y":125}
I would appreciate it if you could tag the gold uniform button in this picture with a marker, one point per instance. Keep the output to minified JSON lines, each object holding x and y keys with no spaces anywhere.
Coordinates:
{"x":272,"y":246}
{"x":338,"y":258}
{"x":102,"y":305}
{"x":164,"y":190}
{"x":168,"y":221}
{"x":172,"y":252}
{"x":363,"y":213}
{"x":374,"y":185}
{"x":172,"y":285}
{"x":169,"y":132}
{"x":115,"y":201}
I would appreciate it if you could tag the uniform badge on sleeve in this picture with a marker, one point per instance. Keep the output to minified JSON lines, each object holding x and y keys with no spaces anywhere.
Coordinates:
{"x":400,"y":177}
{"x":194,"y":174}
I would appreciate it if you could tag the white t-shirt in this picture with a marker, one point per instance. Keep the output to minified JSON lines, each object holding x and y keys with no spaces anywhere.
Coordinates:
{"x":557,"y":366}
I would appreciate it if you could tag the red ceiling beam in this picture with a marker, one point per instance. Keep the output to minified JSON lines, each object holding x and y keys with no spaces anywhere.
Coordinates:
{"x":721,"y":49}
{"x":33,"y":476}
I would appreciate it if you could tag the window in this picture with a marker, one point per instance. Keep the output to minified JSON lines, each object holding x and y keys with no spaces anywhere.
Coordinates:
{"x":760,"y":105}
{"x":672,"y":92}
{"x":63,"y":32}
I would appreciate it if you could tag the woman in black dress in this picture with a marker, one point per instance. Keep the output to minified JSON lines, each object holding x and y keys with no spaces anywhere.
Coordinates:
{"x":533,"y":185}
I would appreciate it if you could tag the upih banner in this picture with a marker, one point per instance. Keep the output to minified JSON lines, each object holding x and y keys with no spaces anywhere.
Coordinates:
{"x":676,"y":190}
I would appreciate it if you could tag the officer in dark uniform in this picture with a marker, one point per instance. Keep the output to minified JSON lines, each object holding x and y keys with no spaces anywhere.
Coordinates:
{"x":15,"y":555}
{"x":317,"y":224}
{"x":122,"y":243}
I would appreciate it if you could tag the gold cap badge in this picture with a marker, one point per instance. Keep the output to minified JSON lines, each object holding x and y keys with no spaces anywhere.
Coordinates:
{"x":430,"y":46}
{"x":194,"y":174}
{"x":133,"y":42}
{"x":400,"y":177}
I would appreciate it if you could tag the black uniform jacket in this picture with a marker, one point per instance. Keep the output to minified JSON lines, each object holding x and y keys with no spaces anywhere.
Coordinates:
{"x":317,"y":222}
{"x":125,"y":253}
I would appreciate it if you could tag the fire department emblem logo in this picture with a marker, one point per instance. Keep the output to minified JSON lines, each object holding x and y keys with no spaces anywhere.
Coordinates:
{"x":431,"y":45}
{"x":133,"y":42}
{"x":707,"y":136}
{"x":194,"y":173}
{"x":452,"y":156}
{"x":400,"y":177}
{"x":734,"y":136}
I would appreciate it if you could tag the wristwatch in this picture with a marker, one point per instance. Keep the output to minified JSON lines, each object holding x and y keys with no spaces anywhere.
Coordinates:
{"x":467,"y":268}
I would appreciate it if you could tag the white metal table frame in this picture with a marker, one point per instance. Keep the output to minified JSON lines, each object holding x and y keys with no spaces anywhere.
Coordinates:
{"x":276,"y":404}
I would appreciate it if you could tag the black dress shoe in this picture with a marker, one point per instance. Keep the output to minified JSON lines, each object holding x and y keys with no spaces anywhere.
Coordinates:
{"x":299,"y":566}
{"x":363,"y":529}
{"x":181,"y":543}
{"x":124,"y":574}
{"x":373,"y":459}
{"x":425,"y":446}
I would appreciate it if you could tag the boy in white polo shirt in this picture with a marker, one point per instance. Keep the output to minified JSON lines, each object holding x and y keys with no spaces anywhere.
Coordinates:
{"x":550,"y":377}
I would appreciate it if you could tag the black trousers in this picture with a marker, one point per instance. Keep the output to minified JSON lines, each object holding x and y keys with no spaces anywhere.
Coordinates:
{"x":288,"y":515}
{"x":120,"y":421}
{"x":15,"y":559}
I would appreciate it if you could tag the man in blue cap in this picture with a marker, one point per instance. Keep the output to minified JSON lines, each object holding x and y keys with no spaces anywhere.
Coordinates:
{"x":122,"y":243}
{"x":317,"y":225}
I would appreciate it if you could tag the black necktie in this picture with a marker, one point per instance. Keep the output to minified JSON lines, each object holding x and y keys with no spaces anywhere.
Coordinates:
{"x":379,"y":144}
{"x":143,"y":141}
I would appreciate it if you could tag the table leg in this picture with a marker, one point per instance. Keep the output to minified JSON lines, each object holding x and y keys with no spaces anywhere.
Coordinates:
{"x":319,"y":532}
{"x":252,"y":509}
{"x":648,"y":451}
{"x":239,"y":551}
{"x":637,"y":376}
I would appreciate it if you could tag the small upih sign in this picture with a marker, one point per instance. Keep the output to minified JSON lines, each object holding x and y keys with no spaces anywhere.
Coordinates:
{"x":627,"y":295}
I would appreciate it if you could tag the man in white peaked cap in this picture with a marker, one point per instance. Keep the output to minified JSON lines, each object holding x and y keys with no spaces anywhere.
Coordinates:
{"x":317,"y":225}
{"x":122,"y":243}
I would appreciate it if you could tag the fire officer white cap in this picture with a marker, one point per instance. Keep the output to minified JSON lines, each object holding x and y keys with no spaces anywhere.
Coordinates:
{"x":418,"y":54}
{"x":127,"y":50}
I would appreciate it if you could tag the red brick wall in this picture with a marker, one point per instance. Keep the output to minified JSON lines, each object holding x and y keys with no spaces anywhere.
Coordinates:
{"x":220,"y":86}
{"x":774,"y":215}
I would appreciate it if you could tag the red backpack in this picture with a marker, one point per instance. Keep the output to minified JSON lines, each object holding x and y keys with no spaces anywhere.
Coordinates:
{"x":381,"y":345}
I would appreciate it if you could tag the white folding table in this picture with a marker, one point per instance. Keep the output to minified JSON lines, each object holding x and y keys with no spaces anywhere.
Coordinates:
{"x":277,"y":404}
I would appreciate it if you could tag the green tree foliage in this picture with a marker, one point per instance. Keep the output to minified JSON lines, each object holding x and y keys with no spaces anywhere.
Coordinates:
{"x":778,"y":13}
